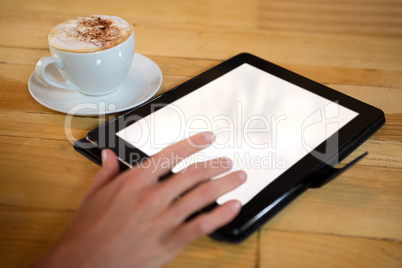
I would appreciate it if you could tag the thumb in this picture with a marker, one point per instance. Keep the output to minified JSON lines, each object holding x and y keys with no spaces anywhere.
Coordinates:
{"x":109,"y":170}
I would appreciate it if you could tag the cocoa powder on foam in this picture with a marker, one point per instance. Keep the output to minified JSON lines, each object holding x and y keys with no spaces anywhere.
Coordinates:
{"x":90,"y":34}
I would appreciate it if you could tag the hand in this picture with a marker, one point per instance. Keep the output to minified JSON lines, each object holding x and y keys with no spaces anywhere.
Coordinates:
{"x":133,"y":220}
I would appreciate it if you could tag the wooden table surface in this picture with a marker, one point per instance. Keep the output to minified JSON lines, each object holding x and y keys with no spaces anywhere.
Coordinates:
{"x":352,"y":46}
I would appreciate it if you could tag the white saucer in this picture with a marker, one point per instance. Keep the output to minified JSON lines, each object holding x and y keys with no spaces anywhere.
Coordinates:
{"x":142,"y":82}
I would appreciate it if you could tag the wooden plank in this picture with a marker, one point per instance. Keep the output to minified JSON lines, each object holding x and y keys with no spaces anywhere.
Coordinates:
{"x":392,"y":129}
{"x":362,"y":202}
{"x":26,"y":233}
{"x":192,"y":67}
{"x":374,"y":17}
{"x":289,"y":249}
{"x":297,"y":48}
{"x":389,"y":100}
{"x":206,"y":252}
{"x":381,"y":153}
{"x":381,"y":18}
{"x":49,"y":125}
{"x":214,"y":42}
{"x":43,"y":173}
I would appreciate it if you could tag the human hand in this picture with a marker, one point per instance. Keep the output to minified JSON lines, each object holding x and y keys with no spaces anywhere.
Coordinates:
{"x":133,"y":220}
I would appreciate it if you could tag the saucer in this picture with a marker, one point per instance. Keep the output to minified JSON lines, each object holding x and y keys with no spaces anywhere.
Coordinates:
{"x":142,"y":82}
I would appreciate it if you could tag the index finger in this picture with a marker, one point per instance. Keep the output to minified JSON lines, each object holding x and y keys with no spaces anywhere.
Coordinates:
{"x":162,"y":163}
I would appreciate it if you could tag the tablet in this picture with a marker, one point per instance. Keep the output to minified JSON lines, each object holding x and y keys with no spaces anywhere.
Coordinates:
{"x":281,"y":128}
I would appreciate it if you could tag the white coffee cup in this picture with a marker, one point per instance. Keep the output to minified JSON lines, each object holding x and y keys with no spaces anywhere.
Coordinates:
{"x":92,"y":73}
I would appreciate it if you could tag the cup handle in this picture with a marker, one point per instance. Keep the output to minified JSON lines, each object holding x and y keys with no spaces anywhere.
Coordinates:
{"x":40,"y":72}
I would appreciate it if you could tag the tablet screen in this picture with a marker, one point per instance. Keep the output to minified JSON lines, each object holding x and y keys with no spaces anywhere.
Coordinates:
{"x":263,"y":123}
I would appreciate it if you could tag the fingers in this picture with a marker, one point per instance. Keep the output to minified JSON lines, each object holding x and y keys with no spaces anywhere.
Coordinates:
{"x":109,"y":170}
{"x":202,"y":196}
{"x":206,"y":223}
{"x":193,"y":175}
{"x":164,"y":161}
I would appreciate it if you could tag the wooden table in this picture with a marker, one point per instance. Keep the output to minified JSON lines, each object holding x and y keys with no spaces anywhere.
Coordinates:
{"x":353,"y":46}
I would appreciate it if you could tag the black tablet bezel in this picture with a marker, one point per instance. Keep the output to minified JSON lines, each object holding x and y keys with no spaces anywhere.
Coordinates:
{"x":287,"y":186}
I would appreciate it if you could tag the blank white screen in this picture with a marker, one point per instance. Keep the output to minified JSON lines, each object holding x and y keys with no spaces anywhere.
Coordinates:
{"x":263,"y":123}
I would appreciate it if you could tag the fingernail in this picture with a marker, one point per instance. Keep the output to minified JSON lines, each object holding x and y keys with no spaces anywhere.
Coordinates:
{"x":242,"y":175}
{"x":104,"y":156}
{"x":226,"y":163}
{"x":210,"y":137}
{"x":236,"y":206}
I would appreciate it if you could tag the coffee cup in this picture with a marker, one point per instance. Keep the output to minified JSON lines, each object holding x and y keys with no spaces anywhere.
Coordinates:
{"x":93,"y":54}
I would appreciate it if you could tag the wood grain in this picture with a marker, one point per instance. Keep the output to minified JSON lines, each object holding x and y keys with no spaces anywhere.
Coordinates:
{"x":287,"y":249}
{"x":352,"y":46}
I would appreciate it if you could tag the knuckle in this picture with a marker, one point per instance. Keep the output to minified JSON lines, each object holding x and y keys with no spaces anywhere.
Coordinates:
{"x":201,"y":227}
{"x":141,"y":172}
{"x":198,"y":170}
{"x":208,"y":191}
{"x":151,"y":199}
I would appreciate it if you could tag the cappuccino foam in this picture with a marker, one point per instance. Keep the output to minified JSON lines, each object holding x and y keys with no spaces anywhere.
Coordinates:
{"x":90,"y":34}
